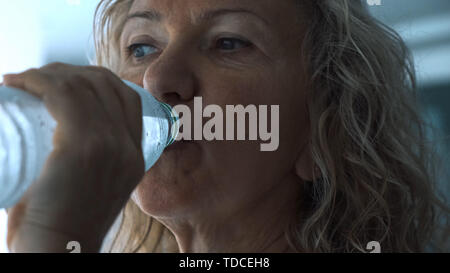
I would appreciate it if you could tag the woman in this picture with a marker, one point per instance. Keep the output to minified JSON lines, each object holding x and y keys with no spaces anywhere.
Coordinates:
{"x":352,"y":165}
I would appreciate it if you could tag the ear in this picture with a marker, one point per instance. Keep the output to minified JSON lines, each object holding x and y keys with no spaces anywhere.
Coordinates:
{"x":304,"y":165}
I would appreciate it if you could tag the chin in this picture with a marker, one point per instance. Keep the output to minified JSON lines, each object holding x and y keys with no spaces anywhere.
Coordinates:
{"x":164,"y":196}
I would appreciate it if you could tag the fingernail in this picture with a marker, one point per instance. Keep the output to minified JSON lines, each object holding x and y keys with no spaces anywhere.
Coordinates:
{"x":9,"y":75}
{"x":7,"y":78}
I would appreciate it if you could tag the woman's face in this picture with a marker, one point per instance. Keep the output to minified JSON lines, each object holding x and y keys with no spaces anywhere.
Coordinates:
{"x":233,"y":52}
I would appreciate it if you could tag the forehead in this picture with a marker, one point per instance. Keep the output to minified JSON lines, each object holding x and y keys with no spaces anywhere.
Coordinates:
{"x":273,"y":10}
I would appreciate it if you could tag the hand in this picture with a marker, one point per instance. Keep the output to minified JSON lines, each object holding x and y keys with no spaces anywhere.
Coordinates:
{"x":96,"y":163}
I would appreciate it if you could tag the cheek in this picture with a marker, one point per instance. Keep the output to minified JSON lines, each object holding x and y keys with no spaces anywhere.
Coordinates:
{"x":135,"y":75}
{"x":283,"y":86}
{"x":242,"y":163}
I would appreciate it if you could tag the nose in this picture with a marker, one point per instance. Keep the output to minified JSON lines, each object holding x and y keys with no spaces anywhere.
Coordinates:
{"x":170,"y":78}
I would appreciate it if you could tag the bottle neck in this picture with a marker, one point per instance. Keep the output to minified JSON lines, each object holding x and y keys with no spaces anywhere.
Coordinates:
{"x":174,"y":123}
{"x":171,"y":115}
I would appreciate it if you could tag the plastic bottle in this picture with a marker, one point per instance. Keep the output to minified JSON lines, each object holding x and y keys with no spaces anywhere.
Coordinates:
{"x":26,"y":134}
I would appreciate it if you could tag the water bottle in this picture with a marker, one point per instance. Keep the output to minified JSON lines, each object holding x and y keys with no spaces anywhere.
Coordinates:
{"x":26,"y":135}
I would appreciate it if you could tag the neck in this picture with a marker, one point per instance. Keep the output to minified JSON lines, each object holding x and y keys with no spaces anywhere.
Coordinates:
{"x":258,"y":227}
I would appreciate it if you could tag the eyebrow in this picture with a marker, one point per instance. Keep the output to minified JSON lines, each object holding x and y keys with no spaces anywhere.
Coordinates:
{"x":155,"y":16}
{"x":221,"y":12}
{"x":151,"y":15}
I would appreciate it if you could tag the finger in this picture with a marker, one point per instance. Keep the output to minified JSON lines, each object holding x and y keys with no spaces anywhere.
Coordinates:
{"x":33,"y":81}
{"x":107,"y":97}
{"x":68,"y":105}
{"x":98,"y":81}
{"x":130,"y":103}
{"x":11,"y":80}
{"x":74,"y":105}
{"x":76,"y":93}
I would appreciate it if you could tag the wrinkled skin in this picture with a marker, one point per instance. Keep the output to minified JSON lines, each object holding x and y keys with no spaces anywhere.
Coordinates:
{"x":218,"y":196}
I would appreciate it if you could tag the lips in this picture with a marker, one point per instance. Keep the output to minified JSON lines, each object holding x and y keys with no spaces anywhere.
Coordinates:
{"x":179,"y":145}
{"x":182,"y":156}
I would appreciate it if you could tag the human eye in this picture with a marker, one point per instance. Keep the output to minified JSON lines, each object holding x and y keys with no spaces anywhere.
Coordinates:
{"x":230,"y":44}
{"x":139,"y":51}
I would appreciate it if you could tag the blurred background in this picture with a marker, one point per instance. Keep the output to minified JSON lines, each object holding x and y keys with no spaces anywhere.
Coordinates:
{"x":37,"y":32}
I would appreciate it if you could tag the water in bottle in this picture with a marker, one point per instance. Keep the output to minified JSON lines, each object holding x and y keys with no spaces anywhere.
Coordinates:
{"x":26,"y":135}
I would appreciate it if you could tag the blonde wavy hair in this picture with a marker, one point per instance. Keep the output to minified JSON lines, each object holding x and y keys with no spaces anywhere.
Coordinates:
{"x":376,"y":167}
